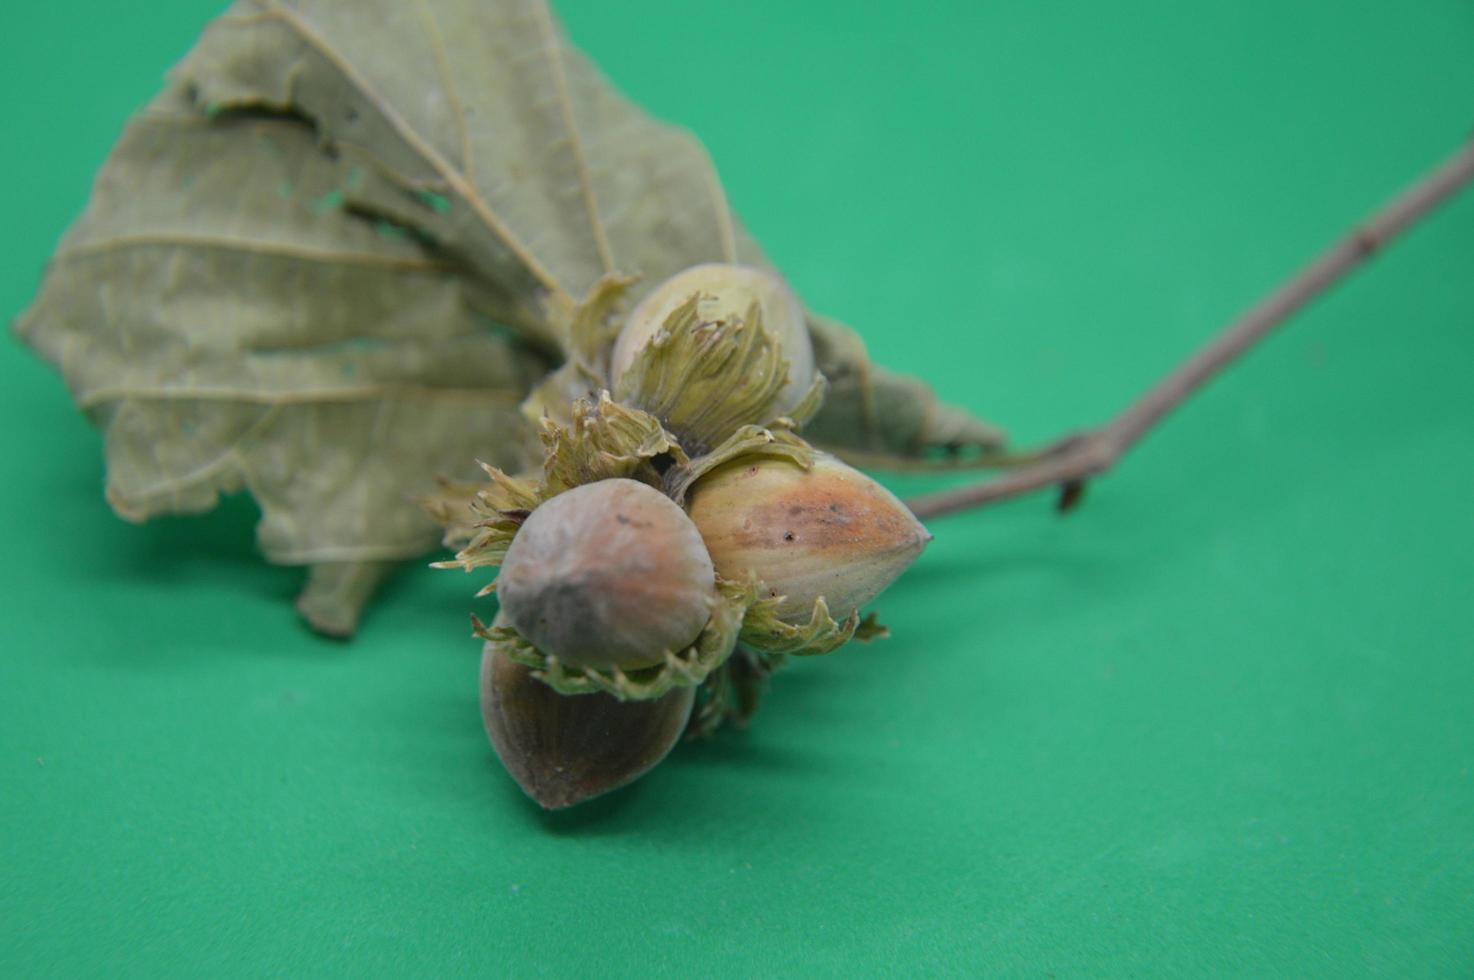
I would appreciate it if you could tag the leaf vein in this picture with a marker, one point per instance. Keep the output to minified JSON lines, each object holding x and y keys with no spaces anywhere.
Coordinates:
{"x":452,"y":92}
{"x":304,"y":253}
{"x":554,"y":52}
{"x":164,"y":392}
{"x":455,"y":180}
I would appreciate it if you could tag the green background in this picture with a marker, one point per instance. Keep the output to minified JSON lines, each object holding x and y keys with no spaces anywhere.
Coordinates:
{"x":1216,"y":722}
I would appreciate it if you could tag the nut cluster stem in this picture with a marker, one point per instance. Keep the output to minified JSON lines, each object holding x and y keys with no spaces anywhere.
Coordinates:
{"x":1069,"y":462}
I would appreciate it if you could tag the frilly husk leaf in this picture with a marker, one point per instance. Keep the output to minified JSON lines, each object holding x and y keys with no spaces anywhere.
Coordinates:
{"x":483,"y":524}
{"x":733,"y":692}
{"x":593,"y":327}
{"x":681,"y":668}
{"x":705,"y":380}
{"x":871,"y":629}
{"x":764,"y":631}
{"x":753,"y":441}
{"x":602,"y":440}
{"x":807,"y":407}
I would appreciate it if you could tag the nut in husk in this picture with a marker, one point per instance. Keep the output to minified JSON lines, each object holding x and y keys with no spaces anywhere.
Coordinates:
{"x":608,"y":574}
{"x":824,"y":532}
{"x":714,"y":348}
{"x":563,"y":750}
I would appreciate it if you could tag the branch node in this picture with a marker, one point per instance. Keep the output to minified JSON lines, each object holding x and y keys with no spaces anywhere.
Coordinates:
{"x":1069,"y":462}
{"x":1071,"y":493}
{"x":1367,"y":242}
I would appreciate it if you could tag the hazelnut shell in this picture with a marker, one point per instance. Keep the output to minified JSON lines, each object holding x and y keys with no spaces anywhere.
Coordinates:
{"x":565,"y":749}
{"x":608,"y":574}
{"x":829,"y":531}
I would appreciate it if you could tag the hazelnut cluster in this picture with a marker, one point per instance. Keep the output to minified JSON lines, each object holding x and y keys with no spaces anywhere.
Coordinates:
{"x":680,"y":541}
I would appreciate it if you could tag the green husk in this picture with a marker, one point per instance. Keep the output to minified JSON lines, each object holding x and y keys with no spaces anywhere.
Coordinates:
{"x":604,"y":439}
{"x":764,"y":631}
{"x":705,"y":380}
{"x":682,"y":668}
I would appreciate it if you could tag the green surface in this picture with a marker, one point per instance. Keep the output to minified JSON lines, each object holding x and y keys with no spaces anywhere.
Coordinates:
{"x":1217,"y":722}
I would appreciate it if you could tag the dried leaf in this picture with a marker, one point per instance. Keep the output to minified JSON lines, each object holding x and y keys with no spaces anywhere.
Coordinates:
{"x":293,"y":271}
{"x":880,"y":416}
{"x":601,"y":188}
{"x":531,"y":168}
{"x":227,"y":326}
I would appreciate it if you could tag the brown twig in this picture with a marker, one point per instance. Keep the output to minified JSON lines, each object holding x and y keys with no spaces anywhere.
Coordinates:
{"x":1070,"y":462}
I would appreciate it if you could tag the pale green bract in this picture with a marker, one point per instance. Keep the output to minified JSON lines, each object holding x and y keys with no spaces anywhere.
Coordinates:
{"x":331,"y":259}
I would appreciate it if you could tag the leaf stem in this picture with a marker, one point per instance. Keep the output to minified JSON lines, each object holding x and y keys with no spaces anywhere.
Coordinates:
{"x":1070,"y":462}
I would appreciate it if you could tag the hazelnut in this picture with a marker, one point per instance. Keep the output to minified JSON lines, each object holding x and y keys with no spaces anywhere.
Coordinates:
{"x":829,"y":531}
{"x":563,"y":750}
{"x":608,"y":574}
{"x":727,"y":293}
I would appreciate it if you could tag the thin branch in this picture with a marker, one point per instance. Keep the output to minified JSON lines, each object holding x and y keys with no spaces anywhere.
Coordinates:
{"x":1071,"y":461}
{"x":990,"y":459}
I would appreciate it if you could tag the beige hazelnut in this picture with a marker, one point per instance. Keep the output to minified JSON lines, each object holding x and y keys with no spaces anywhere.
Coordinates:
{"x":829,"y":531}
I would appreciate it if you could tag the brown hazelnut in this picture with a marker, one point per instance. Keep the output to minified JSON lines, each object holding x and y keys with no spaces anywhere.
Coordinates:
{"x":565,"y":749}
{"x":608,"y":574}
